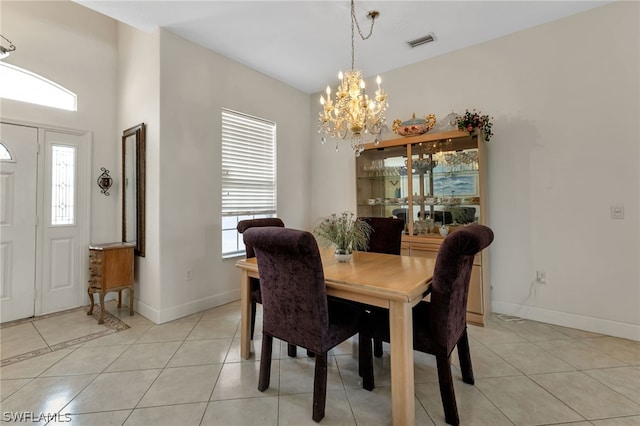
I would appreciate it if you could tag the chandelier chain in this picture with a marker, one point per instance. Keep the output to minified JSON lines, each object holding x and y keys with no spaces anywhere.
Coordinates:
{"x":354,"y":20}
{"x":353,"y":112}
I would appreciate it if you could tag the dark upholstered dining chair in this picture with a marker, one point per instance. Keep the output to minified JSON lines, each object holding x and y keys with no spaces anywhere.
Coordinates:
{"x":243,"y":225}
{"x":386,"y":237}
{"x":295,"y":304}
{"x":440,"y":325}
{"x":386,"y":234}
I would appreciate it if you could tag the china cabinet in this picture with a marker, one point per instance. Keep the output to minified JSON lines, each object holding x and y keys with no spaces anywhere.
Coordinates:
{"x":436,"y":183}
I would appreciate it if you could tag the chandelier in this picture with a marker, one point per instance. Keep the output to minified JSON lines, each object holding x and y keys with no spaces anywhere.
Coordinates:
{"x":353,"y":112}
{"x":6,"y":51}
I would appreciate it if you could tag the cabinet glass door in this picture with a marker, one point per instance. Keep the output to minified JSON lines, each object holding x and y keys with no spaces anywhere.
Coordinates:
{"x":383,"y":186}
{"x":445,"y":186}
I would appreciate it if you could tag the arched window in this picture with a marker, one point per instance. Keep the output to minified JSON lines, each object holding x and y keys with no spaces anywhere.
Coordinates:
{"x":22,"y":85}
{"x":5,"y":155}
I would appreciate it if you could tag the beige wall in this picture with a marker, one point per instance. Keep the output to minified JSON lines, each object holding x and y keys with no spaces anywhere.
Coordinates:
{"x":76,"y":48}
{"x":139,"y":102}
{"x":565,"y":97}
{"x":195,"y":84}
{"x":565,"y":100}
{"x":123,"y":77}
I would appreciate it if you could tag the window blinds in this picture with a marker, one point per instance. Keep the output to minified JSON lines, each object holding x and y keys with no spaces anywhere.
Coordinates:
{"x":248,"y":165}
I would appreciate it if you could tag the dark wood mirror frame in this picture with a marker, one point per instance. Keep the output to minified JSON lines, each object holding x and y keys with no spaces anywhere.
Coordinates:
{"x":133,"y":204}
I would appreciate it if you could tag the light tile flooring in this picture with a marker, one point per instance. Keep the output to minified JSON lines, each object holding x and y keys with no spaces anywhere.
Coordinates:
{"x":189,"y":372}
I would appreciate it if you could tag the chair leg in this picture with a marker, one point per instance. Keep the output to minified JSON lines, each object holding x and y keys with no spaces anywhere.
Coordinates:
{"x":464,"y":355}
{"x":362,"y":352}
{"x":253,"y":318}
{"x":320,"y":387}
{"x":365,"y":362}
{"x":292,"y":350}
{"x":265,"y":363}
{"x":447,"y":393}
{"x":377,"y":348}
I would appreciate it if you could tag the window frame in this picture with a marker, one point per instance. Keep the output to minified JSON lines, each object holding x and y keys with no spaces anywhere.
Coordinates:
{"x":246,"y":140}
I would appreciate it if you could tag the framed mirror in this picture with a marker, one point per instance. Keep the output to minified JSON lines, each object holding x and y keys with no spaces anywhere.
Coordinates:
{"x":133,"y":187}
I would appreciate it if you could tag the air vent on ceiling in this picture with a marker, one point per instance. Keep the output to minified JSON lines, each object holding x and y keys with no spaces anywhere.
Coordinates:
{"x":422,"y":40}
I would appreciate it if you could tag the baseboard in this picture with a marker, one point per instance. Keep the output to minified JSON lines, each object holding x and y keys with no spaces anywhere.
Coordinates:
{"x":564,"y":319}
{"x":147,"y":311}
{"x":189,"y":308}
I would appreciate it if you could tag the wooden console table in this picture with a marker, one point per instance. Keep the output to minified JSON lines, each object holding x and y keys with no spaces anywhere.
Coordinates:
{"x":110,"y":269}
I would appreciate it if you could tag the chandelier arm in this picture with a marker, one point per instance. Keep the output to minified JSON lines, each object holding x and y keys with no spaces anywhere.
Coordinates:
{"x":11,"y":46}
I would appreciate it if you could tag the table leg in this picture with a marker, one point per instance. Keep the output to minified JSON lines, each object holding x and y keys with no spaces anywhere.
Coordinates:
{"x":402,"y":386}
{"x":245,"y":315}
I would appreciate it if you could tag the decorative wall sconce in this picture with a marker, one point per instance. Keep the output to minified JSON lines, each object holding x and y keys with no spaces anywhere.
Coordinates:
{"x":105,"y":181}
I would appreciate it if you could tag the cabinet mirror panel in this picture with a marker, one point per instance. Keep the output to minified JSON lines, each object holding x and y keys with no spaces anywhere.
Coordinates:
{"x":133,"y":187}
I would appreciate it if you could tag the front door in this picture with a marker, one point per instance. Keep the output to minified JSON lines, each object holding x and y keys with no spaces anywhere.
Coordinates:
{"x":62,"y":259}
{"x":44,"y":216}
{"x":18,"y":188}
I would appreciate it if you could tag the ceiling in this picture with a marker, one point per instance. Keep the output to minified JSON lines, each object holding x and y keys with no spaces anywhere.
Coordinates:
{"x":304,"y":43}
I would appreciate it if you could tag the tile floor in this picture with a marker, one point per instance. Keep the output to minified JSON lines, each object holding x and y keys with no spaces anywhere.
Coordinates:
{"x":189,"y":372}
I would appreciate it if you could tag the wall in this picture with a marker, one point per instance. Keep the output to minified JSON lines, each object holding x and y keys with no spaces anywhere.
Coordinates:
{"x":565,"y":102}
{"x":178,"y":89}
{"x":139,"y":102}
{"x":76,"y":48}
{"x":122,"y":77}
{"x":565,"y":98}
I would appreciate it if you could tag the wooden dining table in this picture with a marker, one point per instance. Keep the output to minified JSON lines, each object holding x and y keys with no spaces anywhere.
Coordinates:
{"x":389,"y":281}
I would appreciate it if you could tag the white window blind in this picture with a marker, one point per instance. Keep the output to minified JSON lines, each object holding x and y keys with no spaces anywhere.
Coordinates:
{"x":248,"y":165}
{"x":248,"y":174}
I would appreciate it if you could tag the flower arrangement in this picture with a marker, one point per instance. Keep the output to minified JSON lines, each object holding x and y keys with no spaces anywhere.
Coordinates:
{"x":475,"y":120}
{"x":345,"y":231}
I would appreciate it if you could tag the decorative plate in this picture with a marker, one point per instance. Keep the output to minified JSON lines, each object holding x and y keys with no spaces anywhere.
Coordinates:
{"x":415,"y":126}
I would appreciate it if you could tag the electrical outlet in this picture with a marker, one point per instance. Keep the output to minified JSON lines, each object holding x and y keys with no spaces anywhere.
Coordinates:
{"x":541,"y":277}
{"x":188,"y":275}
{"x":617,"y":212}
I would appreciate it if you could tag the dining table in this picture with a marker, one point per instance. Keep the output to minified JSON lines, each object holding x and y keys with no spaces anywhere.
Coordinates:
{"x":394,"y":282}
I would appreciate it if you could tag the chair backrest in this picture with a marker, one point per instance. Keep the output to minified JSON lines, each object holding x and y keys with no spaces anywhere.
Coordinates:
{"x":386,"y":234}
{"x":400,"y":214}
{"x":243,"y":225}
{"x":442,"y":217}
{"x":463,"y":214}
{"x":294,"y":298}
{"x":450,"y":285}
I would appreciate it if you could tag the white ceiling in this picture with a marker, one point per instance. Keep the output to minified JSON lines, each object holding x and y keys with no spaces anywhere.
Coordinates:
{"x":304,"y":43}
